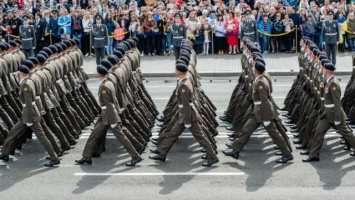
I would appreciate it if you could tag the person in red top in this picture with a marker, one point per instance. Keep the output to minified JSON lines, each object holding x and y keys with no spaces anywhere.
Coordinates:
{"x":232,"y":27}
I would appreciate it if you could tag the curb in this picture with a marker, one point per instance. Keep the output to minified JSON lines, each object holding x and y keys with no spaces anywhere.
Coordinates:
{"x":222,"y":74}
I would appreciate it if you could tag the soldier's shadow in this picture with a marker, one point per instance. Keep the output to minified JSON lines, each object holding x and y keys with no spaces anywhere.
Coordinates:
{"x":106,"y":164}
{"x":25,"y":167}
{"x":258,"y":168}
{"x":332,"y":168}
{"x":182,"y":152}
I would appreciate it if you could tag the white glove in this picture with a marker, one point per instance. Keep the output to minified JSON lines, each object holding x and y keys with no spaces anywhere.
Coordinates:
{"x":106,"y":46}
{"x":336,"y":123}
{"x":113,"y":125}
{"x":187,"y":125}
{"x":324,"y":43}
{"x":29,"y":124}
{"x":93,"y":47}
{"x":337,"y":43}
{"x":266,"y":123}
{"x":256,"y":43}
{"x":33,"y":47}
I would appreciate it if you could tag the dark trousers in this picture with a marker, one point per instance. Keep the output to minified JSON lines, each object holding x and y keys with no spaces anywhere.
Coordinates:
{"x":322,"y":129}
{"x":28,"y":52}
{"x":99,"y":131}
{"x":150,"y":44}
{"x":177,"y":52}
{"x":331,"y":48}
{"x":196,"y":131}
{"x":99,"y":54}
{"x":248,"y":130}
{"x":21,"y":128}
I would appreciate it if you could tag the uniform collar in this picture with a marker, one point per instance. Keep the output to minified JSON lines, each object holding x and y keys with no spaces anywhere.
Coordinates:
{"x":328,"y":79}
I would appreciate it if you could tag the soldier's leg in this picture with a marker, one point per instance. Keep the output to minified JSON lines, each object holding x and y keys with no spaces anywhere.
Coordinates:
{"x":17,"y":99}
{"x":278,"y":140}
{"x":13,"y":104}
{"x":347,"y":134}
{"x":8,"y":109}
{"x":6,"y":118}
{"x":117,"y":131}
{"x":89,"y":100}
{"x":95,"y":136}
{"x":334,"y":50}
{"x":66,"y":128}
{"x":69,"y":123}
{"x":327,"y":50}
{"x":317,"y":143}
{"x":97,"y":55}
{"x":91,"y":96}
{"x":65,"y":139}
{"x":39,"y":132}
{"x":177,"y":52}
{"x":50,"y":137}
{"x":171,"y":138}
{"x":202,"y":140}
{"x":13,"y":137}
{"x":248,"y":129}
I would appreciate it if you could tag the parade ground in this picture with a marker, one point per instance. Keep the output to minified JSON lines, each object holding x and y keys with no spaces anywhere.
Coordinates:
{"x":254,"y":176}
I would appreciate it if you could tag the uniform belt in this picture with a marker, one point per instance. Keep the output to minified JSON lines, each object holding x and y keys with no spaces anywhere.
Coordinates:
{"x":38,"y":97}
{"x":330,"y":33}
{"x":178,"y":37}
{"x":27,"y":39}
{"x":322,"y":98}
{"x":181,"y":106}
{"x":101,"y":38}
{"x":329,"y":105}
{"x":249,"y":33}
{"x":59,"y":81}
{"x":103,"y":107}
{"x":257,"y":103}
{"x":33,"y":104}
{"x":246,"y":76}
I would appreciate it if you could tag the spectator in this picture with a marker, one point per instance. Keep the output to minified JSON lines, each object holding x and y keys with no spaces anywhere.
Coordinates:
{"x":87,"y":25}
{"x":64,"y":23}
{"x":341,"y":19}
{"x":110,"y":24}
{"x":220,"y":41}
{"x":278,"y":28}
{"x":232,"y":27}
{"x":77,"y":27}
{"x":118,"y":33}
{"x":351,"y":28}
{"x":150,"y":27}
{"x":265,"y":26}
{"x":199,"y":38}
{"x":207,"y":36}
{"x":288,"y":25}
{"x":141,"y":37}
{"x":309,"y":28}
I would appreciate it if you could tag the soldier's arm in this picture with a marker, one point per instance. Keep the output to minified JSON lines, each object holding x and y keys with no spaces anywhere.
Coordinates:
{"x":338,"y":30}
{"x":185,"y":97}
{"x":265,"y":105}
{"x":27,"y":93}
{"x":111,"y":110}
{"x":336,"y":94}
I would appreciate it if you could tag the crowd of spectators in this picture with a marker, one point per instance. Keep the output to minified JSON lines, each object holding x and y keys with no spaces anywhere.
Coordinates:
{"x":214,"y":24}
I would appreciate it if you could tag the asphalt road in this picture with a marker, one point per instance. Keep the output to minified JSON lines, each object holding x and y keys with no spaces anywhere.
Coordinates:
{"x":254,"y":176}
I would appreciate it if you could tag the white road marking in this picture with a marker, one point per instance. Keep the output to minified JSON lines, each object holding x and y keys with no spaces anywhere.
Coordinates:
{"x":165,"y":174}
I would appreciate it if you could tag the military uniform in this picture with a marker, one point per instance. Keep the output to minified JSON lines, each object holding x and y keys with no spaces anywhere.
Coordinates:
{"x":30,"y":120}
{"x":28,"y":38}
{"x":249,"y":29}
{"x":99,"y":39}
{"x":178,"y":32}
{"x":330,"y":35}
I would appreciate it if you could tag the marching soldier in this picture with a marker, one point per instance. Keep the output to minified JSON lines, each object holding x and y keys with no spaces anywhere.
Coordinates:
{"x":330,"y":34}
{"x":263,"y":113}
{"x":187,"y":117}
{"x":178,"y":31}
{"x":30,"y":120}
{"x":333,"y":115}
{"x":99,"y":38}
{"x":28,"y":37}
{"x":108,"y":119}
